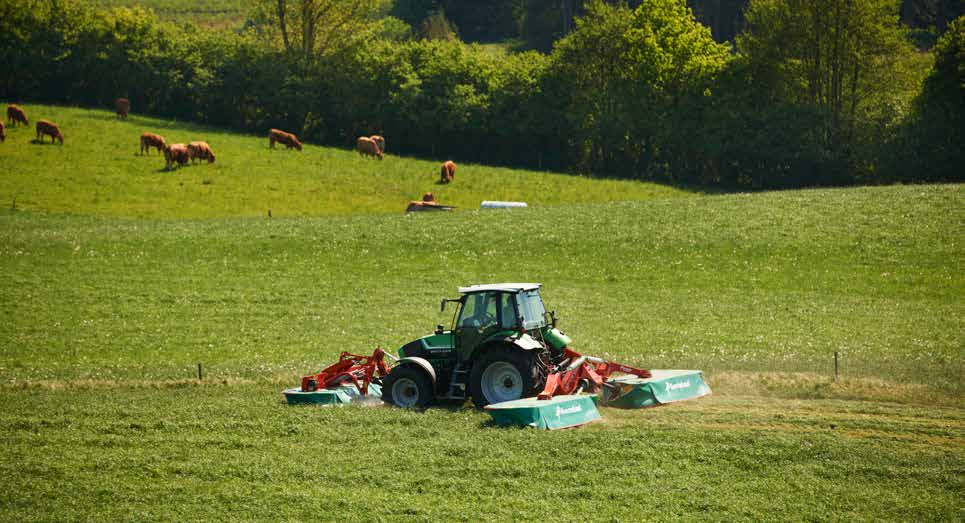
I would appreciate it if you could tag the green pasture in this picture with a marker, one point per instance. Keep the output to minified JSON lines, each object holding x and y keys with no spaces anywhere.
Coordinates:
{"x":119,"y":278}
{"x":208,"y":13}
{"x":771,"y":282}
{"x":99,"y":170}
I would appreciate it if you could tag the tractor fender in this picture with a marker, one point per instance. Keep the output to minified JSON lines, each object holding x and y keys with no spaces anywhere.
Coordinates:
{"x":420,"y":362}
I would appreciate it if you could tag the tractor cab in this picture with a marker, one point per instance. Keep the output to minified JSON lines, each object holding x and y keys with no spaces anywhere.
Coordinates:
{"x":488,"y":312}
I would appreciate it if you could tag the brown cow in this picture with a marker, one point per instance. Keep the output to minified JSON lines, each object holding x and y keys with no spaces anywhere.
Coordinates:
{"x":367,"y":147}
{"x":175,"y":153}
{"x":122,"y":106}
{"x":49,"y":129}
{"x":16,"y":115}
{"x":289,"y":139}
{"x":448,"y":172}
{"x":428,"y":203}
{"x":3,"y":134}
{"x":380,"y":141}
{"x":149,"y":140}
{"x":200,"y":150}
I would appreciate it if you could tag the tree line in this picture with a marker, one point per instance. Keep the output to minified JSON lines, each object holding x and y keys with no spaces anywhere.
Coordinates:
{"x":810,"y":92}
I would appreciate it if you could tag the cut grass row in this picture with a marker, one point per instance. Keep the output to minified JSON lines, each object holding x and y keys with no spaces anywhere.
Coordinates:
{"x":214,"y":452}
{"x":100,"y":171}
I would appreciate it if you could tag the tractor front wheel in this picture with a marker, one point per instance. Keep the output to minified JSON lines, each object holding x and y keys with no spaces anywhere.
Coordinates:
{"x":503,"y":374}
{"x":407,"y":386}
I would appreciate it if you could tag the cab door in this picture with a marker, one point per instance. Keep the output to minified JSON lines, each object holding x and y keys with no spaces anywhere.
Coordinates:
{"x":482,"y":315}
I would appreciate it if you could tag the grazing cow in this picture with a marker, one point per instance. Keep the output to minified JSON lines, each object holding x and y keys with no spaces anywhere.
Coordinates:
{"x":380,"y":141}
{"x":149,"y":140}
{"x":3,"y":135}
{"x":448,"y":172}
{"x":16,"y":115}
{"x":122,"y":106}
{"x":289,"y":139}
{"x":200,"y":150}
{"x":367,"y":147}
{"x":175,"y":153}
{"x":49,"y":129}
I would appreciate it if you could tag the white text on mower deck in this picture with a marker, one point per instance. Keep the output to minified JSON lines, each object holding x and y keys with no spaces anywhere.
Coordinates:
{"x":569,"y":410}
{"x":675,"y":386}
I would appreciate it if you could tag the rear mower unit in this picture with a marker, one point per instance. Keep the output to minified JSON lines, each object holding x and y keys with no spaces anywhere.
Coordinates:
{"x":504,"y":352}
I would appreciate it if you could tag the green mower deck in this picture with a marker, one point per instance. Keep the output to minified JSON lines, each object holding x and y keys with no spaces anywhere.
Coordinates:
{"x":665,"y":386}
{"x":334,"y":396}
{"x":559,"y":412}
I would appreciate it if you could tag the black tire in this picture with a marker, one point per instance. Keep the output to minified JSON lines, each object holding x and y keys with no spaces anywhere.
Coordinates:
{"x":407,"y":386}
{"x":503,"y":359}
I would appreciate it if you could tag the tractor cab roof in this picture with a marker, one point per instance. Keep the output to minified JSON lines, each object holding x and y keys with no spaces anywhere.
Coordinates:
{"x":504,"y":287}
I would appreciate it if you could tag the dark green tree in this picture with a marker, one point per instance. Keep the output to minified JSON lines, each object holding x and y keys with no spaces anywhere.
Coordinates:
{"x":932,"y":146}
{"x":829,"y":56}
{"x":625,"y":77}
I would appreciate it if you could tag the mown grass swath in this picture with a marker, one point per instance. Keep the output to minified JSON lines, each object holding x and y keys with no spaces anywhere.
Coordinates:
{"x":214,"y":452}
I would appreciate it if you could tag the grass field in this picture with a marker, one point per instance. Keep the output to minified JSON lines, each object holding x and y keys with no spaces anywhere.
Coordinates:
{"x":106,"y":307}
{"x":222,"y":14}
{"x":99,"y":171}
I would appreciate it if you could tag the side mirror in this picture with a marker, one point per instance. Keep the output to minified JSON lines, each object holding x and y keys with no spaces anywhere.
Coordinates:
{"x":553,"y":318}
{"x":439,"y":329}
{"x":442,"y":305}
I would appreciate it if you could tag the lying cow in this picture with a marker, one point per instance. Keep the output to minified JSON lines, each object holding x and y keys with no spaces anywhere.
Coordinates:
{"x":122,"y":106}
{"x":448,"y":172}
{"x":16,"y":115}
{"x":200,"y":150}
{"x":380,"y":141}
{"x":175,"y":154}
{"x":149,"y":140}
{"x":428,"y":203}
{"x":367,"y":147}
{"x":288,"y":139}
{"x":45,"y":128}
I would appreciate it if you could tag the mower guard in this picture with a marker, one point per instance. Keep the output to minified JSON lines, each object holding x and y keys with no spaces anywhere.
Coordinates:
{"x":664,"y":386}
{"x":339,"y":395}
{"x":558,"y":412}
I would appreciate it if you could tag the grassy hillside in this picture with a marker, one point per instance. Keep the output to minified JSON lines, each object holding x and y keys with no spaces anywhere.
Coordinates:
{"x":99,"y":171}
{"x":119,"y":278}
{"x":766,"y":282}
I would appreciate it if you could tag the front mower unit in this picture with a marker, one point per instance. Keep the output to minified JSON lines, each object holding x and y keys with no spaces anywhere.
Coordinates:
{"x":351,"y":379}
{"x":338,"y":395}
{"x":558,"y":412}
{"x":664,"y":386}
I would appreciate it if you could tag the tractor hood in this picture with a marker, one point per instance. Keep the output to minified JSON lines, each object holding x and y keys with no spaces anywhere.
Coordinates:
{"x":426,"y":345}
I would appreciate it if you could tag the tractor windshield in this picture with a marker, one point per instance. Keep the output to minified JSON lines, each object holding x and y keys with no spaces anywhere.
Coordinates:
{"x":531,"y":308}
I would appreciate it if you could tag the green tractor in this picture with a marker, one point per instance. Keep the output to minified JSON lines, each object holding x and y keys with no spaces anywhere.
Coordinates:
{"x":501,"y":346}
{"x":503,"y":351}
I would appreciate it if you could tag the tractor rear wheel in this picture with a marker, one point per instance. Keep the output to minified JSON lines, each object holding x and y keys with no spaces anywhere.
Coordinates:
{"x":407,"y":386}
{"x":503,"y":374}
